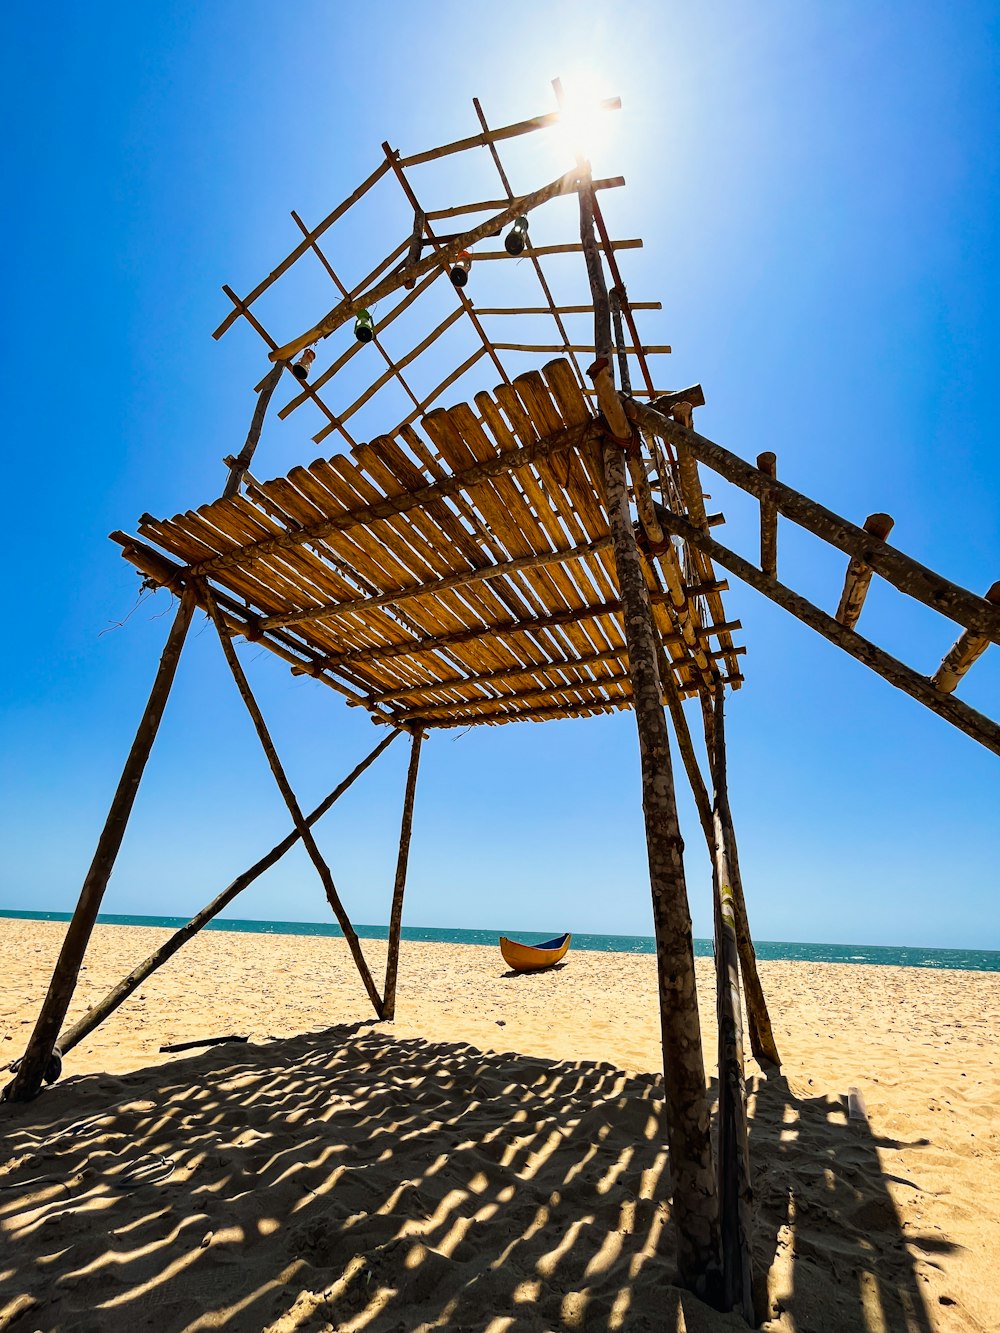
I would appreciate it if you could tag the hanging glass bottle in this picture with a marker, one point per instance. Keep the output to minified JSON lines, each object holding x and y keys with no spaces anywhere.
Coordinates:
{"x":364,"y":326}
{"x":517,"y":238}
{"x":459,"y":272}
{"x":301,"y":367}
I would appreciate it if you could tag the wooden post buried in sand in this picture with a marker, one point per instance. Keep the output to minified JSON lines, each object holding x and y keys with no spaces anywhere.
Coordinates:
{"x":695,"y":1201}
{"x":37,"y":1062}
{"x":396,"y":916}
{"x":128,"y":985}
{"x":734,"y":1155}
{"x":284,"y":786}
{"x":762,"y":1042}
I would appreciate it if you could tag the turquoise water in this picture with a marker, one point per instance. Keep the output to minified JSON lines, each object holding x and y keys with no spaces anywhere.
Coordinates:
{"x":968,"y":960}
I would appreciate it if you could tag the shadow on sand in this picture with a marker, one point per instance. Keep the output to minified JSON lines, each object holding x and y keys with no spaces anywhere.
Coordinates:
{"x":348,"y":1179}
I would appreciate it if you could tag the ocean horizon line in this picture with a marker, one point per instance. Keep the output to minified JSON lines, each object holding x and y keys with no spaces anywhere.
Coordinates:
{"x":969,"y":960}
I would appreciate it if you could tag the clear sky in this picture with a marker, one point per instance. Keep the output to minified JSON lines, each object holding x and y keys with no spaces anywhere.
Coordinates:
{"x":819,"y":194}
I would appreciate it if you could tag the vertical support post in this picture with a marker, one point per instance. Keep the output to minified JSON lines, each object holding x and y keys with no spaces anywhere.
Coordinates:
{"x":239,"y":465}
{"x":294,"y":809}
{"x":37,"y":1062}
{"x":695,"y":1201}
{"x":762,"y":1041}
{"x":768,"y":464}
{"x":734,"y":1155}
{"x":396,"y":915}
{"x":694,"y":1195}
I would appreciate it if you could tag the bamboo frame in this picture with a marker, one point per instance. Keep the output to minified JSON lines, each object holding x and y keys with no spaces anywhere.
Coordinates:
{"x":117,"y":996}
{"x":492,"y":572}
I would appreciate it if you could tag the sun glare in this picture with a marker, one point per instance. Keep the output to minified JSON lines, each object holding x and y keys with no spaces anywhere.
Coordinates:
{"x":585,"y":121}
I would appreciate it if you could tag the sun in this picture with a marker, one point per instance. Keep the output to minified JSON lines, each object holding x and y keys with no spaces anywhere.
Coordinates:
{"x":585,"y":121}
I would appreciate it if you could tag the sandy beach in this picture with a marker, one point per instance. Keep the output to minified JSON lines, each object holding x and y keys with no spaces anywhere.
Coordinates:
{"x":492,"y":1160}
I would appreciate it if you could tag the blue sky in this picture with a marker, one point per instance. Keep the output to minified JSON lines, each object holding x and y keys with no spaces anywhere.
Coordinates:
{"x":818,"y":191}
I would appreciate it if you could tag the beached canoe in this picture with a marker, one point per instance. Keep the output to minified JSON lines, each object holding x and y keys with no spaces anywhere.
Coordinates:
{"x":533,"y":957}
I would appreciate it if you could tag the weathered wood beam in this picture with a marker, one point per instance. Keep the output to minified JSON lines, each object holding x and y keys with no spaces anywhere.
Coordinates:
{"x":768,"y":464}
{"x":967,"y":650}
{"x":695,"y":1200}
{"x":291,"y":801}
{"x":541,"y":696}
{"x":492,"y":678}
{"x":97,"y":1013}
{"x":558,"y":309}
{"x":959,"y":714}
{"x":433,"y":587}
{"x":570,"y":248}
{"x":735,"y":1192}
{"x":244,"y":458}
{"x":348,"y":307}
{"x":553,"y":713}
{"x":569,"y":437}
{"x":497,"y":135}
{"x":399,"y":886}
{"x":556,"y":348}
{"x":908,"y":575}
{"x":762,"y":1041}
{"x":491,"y":205}
{"x":39,"y":1060}
{"x":859,"y":574}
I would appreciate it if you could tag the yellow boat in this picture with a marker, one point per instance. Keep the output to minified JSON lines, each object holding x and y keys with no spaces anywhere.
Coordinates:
{"x":533,"y":957}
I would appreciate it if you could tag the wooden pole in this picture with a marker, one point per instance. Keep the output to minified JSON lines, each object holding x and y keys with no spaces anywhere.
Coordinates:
{"x":735,"y":1192}
{"x":396,"y":916}
{"x":695,"y":1201}
{"x":244,"y":458}
{"x":964,"y":653}
{"x":284,"y":786}
{"x":37,"y":1062}
{"x":128,"y":985}
{"x":859,"y":575}
{"x":768,"y":464}
{"x":762,"y":1042}
{"x":959,"y":714}
{"x":694,"y":1196}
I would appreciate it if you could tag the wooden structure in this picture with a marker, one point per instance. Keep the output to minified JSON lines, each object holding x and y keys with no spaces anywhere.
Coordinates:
{"x":539,"y":551}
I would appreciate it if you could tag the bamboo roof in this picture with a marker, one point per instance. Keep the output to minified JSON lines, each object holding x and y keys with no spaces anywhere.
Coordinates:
{"x":456,"y":573}
{"x":458,"y":569}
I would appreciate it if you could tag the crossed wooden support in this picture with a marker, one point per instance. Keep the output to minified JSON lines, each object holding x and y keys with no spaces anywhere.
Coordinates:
{"x":42,"y":1059}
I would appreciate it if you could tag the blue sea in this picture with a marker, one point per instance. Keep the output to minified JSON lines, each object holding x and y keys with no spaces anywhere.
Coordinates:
{"x":966,"y":960}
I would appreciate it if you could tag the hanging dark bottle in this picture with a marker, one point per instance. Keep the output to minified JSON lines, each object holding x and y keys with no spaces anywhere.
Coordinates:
{"x":459,"y":271}
{"x":364,"y":326}
{"x":517,"y":238}
{"x":301,"y":367}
